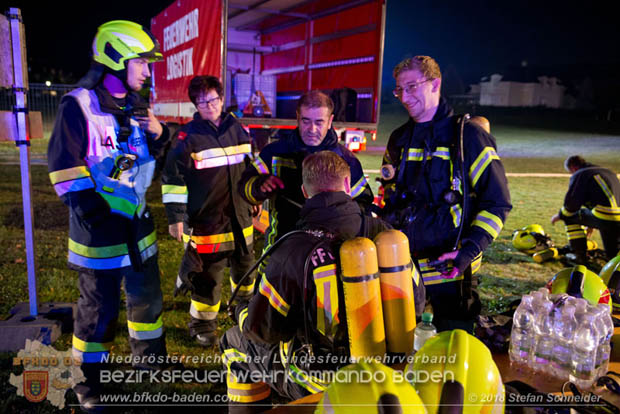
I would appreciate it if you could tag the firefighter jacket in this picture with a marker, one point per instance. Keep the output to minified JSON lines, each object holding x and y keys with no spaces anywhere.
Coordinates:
{"x":199,"y":184}
{"x":276,"y":314}
{"x":101,"y":164}
{"x":283,"y":159}
{"x":425,"y":158}
{"x":596,"y":188}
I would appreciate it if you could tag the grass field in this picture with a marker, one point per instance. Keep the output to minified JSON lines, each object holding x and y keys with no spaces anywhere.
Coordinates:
{"x":505,"y":274}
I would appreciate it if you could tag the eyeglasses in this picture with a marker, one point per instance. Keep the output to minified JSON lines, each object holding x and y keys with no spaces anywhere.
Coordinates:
{"x":210,"y":102}
{"x":411,"y":88}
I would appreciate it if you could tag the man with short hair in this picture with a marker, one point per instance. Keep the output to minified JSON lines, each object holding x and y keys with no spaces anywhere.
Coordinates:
{"x":102,"y":156}
{"x":276,"y":172}
{"x":272,"y":327}
{"x":199,"y":187}
{"x":450,"y":210}
{"x":592,"y":200}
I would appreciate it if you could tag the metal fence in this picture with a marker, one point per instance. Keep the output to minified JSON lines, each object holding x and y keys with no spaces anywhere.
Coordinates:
{"x":41,"y":98}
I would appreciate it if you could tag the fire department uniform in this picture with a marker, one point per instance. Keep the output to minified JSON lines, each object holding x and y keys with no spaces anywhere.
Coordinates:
{"x":598,"y":190}
{"x":101,"y":164}
{"x":424,"y":158}
{"x":283,"y":159}
{"x":271,"y":327}
{"x":199,"y":187}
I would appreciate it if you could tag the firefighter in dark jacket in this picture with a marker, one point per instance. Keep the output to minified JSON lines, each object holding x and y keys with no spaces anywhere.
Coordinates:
{"x":199,"y":187}
{"x":425,"y":180}
{"x":277,"y":169}
{"x":272,"y":327}
{"x":592,"y":201}
{"x":102,"y":155}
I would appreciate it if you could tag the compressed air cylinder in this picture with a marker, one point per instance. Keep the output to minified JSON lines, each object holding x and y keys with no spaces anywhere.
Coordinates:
{"x":544,"y":255}
{"x":397,"y":297}
{"x":362,"y":298}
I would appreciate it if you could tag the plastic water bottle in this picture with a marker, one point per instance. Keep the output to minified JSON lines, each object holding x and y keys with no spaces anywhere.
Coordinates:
{"x":522,"y":334}
{"x":423,"y":331}
{"x":543,"y":350}
{"x":564,"y":328}
{"x":581,"y":308}
{"x":607,"y":330}
{"x":585,"y":345}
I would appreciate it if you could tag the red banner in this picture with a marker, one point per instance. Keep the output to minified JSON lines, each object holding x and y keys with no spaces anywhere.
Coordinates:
{"x":190,"y":35}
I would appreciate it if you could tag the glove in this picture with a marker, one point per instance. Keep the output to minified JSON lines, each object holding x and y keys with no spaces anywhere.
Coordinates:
{"x":234,"y":311}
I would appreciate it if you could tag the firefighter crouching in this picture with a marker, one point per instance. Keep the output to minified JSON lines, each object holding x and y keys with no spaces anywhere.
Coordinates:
{"x":446,"y":189}
{"x":199,"y":185}
{"x":102,"y":155}
{"x":592,"y":200}
{"x":276,"y":334}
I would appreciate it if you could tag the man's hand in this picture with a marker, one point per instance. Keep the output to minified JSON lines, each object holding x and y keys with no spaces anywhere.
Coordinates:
{"x":454,"y":272}
{"x":555,"y":218}
{"x":256,"y":210}
{"x":271,"y":184}
{"x":176,"y":231}
{"x":150,"y":124}
{"x":589,"y":231}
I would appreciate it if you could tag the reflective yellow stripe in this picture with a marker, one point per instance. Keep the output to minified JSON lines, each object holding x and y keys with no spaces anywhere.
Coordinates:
{"x":203,"y":307}
{"x":575,"y":231}
{"x":242,"y":317}
{"x":141,"y":326}
{"x":489,"y":222}
{"x":359,"y":187}
{"x":90,"y":346}
{"x":214,"y":238}
{"x":310,"y":383}
{"x":244,"y":289}
{"x":326,"y":283}
{"x":277,"y":302}
{"x":456,"y":212}
{"x":246,"y":393}
{"x":606,"y":213}
{"x":69,"y":174}
{"x":98,"y":252}
{"x":147,"y":241}
{"x":278,"y":162}
{"x":606,"y":190}
{"x":567,"y":213}
{"x":415,"y":154}
{"x":222,"y":152}
{"x":260,"y":166}
{"x":173,"y":189}
{"x":476,"y":170}
{"x":442,"y":152}
{"x":248,"y":190}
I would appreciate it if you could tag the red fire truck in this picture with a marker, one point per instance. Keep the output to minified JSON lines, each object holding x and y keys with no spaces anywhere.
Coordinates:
{"x":268,"y":52}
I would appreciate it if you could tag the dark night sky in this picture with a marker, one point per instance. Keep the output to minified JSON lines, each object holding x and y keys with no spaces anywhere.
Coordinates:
{"x":475,"y":40}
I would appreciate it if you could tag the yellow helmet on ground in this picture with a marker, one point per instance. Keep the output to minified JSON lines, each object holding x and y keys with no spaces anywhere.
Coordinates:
{"x":610,"y":274}
{"x":369,"y":387}
{"x":120,"y":40}
{"x":455,"y":369}
{"x":530,"y":238}
{"x":580,"y":282}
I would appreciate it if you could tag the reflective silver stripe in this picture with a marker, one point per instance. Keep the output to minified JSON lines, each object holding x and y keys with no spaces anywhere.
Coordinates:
{"x":219,"y":161}
{"x":99,"y":264}
{"x":149,"y":251}
{"x":174,"y":198}
{"x":142,"y":335}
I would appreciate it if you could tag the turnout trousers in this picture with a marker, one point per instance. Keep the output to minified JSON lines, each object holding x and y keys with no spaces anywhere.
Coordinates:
{"x":610,"y":233}
{"x":206,"y":295}
{"x":97,"y":317}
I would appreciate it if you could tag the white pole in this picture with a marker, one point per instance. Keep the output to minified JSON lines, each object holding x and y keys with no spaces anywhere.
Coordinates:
{"x":20,"y":87}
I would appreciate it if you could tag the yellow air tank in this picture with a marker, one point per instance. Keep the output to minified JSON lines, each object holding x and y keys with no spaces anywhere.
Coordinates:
{"x":544,"y":255}
{"x":362,"y":297}
{"x":397,"y":297}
